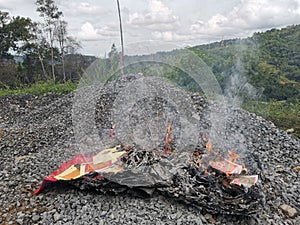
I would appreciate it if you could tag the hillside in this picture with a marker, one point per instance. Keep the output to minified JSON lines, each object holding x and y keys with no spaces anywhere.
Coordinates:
{"x":260,"y":73}
{"x":270,"y":60}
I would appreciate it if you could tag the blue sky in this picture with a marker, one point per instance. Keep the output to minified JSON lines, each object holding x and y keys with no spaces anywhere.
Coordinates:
{"x":166,"y":24}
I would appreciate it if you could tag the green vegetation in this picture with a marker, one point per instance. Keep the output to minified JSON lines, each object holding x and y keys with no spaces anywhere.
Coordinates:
{"x":268,"y":60}
{"x":262,"y":72}
{"x":40,"y":88}
{"x":284,"y":114}
{"x":37,"y":51}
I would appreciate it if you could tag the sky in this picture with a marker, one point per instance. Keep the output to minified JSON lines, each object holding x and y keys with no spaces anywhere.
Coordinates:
{"x":152,"y":25}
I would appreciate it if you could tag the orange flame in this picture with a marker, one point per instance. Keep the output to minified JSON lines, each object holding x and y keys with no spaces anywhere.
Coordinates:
{"x":225,"y":183}
{"x":208,"y":146}
{"x":168,"y":130}
{"x":232,"y":156}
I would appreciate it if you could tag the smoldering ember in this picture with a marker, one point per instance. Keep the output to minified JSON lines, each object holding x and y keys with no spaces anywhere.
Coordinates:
{"x":147,"y":168}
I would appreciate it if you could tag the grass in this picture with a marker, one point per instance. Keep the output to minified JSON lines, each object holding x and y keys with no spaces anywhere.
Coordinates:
{"x":41,"y":88}
{"x":284,"y":114}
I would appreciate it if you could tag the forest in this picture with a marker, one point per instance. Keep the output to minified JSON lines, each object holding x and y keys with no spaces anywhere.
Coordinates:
{"x":32,"y":51}
{"x":38,"y":54}
{"x":270,"y":62}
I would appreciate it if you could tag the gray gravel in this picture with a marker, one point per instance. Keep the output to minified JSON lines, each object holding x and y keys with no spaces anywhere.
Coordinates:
{"x":36,"y":136}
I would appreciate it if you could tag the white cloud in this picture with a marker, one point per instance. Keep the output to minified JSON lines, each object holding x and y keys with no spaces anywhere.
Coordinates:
{"x":85,"y":8}
{"x":248,"y":16}
{"x":11,"y":4}
{"x":170,"y":36}
{"x":158,"y":17}
{"x":173,"y":22}
{"x":89,"y":33}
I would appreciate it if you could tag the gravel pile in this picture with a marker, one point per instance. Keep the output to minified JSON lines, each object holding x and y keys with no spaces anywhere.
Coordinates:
{"x":37,"y":135}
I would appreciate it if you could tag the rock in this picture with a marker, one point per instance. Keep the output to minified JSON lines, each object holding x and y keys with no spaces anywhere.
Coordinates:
{"x":56,"y":216}
{"x":35,"y":218}
{"x":288,"y":210}
{"x":296,"y":169}
{"x":105,"y":207}
{"x":19,"y":221}
{"x":103,"y":213}
{"x":210,"y":218}
{"x":178,"y":215}
{"x":290,"y":131}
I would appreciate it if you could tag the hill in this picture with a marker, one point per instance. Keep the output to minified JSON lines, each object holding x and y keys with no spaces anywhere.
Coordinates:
{"x":269,"y":60}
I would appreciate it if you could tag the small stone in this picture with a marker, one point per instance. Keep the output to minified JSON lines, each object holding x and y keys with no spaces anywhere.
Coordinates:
{"x":173,"y":216}
{"x":20,"y":215}
{"x":178,"y":214}
{"x":19,"y":221}
{"x":203,"y":218}
{"x":290,"y":131}
{"x":103,"y":213}
{"x":210,"y":218}
{"x":56,"y":216}
{"x":112,"y":216}
{"x":105,"y":207}
{"x":296,"y":169}
{"x":35,"y":218}
{"x":288,"y":210}
{"x":179,"y":222}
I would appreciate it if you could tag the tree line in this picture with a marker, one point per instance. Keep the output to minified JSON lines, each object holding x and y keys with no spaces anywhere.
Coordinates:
{"x":46,"y":51}
{"x":268,"y":60}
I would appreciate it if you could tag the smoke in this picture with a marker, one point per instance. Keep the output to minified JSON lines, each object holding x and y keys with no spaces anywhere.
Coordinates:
{"x":143,"y":108}
{"x":237,"y":91}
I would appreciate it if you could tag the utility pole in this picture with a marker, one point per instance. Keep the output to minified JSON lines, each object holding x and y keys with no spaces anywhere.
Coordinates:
{"x":122,"y":43}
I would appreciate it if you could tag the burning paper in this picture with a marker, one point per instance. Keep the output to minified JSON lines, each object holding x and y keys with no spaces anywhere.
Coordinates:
{"x":116,"y":168}
{"x":226,"y":166}
{"x":246,"y":181}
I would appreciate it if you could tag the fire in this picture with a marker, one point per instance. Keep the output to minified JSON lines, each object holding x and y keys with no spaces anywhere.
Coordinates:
{"x":225,"y":183}
{"x":168,"y":139}
{"x":208,"y":146}
{"x":168,"y":128}
{"x":232,"y":156}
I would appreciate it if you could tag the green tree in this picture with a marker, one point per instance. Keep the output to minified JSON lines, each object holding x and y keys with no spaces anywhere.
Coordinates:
{"x":114,"y":59}
{"x":51,"y":15}
{"x":61,"y":35}
{"x":37,"y":50}
{"x":67,"y":44}
{"x":13,"y":33}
